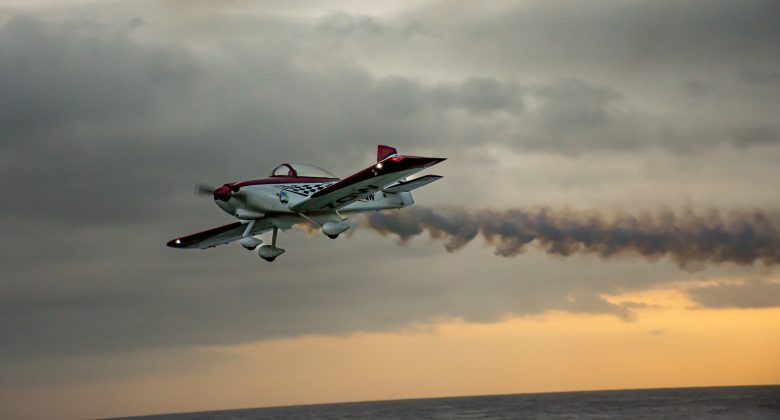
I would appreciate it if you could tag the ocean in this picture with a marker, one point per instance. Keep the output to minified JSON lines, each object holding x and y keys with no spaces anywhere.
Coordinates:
{"x":744,"y":402}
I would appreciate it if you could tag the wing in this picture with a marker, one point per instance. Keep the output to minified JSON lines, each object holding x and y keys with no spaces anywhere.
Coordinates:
{"x":367,"y":181}
{"x":218,"y":236}
{"x":412,"y":184}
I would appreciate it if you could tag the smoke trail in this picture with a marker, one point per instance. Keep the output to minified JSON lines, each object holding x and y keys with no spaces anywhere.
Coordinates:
{"x":741,"y":238}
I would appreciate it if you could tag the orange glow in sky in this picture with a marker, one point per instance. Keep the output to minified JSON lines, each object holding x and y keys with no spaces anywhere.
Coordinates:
{"x":670,"y":344}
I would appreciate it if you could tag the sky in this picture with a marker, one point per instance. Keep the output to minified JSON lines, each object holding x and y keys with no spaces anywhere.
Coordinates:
{"x":656,"y":115}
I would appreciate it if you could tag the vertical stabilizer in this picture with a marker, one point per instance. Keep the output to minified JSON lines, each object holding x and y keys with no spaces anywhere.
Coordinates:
{"x":383,"y":151}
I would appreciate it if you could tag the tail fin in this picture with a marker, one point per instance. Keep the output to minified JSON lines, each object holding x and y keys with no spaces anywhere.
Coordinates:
{"x":383,"y":152}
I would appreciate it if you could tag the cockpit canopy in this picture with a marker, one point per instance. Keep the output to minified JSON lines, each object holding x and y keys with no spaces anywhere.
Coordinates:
{"x":300,"y":169}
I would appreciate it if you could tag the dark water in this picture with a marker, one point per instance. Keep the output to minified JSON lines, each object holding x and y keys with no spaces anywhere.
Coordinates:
{"x":749,"y":402}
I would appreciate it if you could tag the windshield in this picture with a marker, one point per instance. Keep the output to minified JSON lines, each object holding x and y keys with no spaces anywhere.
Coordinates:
{"x":301,"y":169}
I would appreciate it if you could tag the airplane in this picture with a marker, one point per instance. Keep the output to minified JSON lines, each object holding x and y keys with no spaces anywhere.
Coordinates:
{"x":297,"y":192}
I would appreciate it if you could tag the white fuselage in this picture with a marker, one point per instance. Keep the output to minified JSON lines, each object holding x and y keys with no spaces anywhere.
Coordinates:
{"x":274,"y":200}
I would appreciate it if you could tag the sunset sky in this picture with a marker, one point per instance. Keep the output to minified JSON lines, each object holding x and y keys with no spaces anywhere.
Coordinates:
{"x":111,"y":112}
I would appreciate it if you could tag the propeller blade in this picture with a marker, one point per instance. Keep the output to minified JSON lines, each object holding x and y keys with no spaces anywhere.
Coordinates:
{"x":204,"y":189}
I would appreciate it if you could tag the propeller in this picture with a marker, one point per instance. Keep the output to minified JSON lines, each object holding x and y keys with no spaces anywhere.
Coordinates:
{"x":223,"y":193}
{"x":204,"y":189}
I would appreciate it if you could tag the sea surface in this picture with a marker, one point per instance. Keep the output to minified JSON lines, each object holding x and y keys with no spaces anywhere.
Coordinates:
{"x":745,"y":402}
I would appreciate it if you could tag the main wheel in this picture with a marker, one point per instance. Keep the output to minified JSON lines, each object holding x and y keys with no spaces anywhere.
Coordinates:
{"x":269,"y":259}
{"x":333,"y":236}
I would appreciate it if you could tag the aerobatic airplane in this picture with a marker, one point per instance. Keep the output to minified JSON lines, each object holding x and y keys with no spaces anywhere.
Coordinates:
{"x":298,"y":192}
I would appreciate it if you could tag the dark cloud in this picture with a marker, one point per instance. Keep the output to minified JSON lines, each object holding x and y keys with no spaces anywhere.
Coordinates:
{"x":697,"y":89}
{"x":756,"y":135}
{"x":573,"y":117}
{"x":54,"y":75}
{"x":116,"y":120}
{"x":343,"y":23}
{"x":113,"y":123}
{"x":75,"y":118}
{"x":480,"y":95}
{"x":760,"y":76}
{"x":647,"y":59}
{"x":740,"y":238}
{"x":639,"y":37}
{"x":139,"y":295}
{"x":61,"y":369}
{"x":750,"y":294}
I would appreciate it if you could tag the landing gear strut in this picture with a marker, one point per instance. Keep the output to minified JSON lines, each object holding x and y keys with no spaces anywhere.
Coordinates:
{"x":270,"y":252}
{"x":248,"y":241}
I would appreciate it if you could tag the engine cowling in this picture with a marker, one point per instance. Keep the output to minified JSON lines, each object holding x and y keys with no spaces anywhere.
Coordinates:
{"x":334,"y":228}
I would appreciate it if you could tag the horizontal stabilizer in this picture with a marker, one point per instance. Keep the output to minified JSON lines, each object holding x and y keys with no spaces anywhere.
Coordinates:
{"x":405,"y":186}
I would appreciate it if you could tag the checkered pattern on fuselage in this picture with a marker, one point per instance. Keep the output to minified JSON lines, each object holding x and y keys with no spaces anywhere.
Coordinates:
{"x":303,"y":189}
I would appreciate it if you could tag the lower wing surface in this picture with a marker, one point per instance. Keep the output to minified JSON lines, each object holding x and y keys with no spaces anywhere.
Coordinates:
{"x":219,"y":235}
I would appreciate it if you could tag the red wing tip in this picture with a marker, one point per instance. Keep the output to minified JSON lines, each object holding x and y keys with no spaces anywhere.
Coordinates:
{"x":400,"y":158}
{"x":429,"y":161}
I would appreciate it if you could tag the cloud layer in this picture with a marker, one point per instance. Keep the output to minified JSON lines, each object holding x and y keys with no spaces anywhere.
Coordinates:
{"x":111,"y":112}
{"x":750,"y":294}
